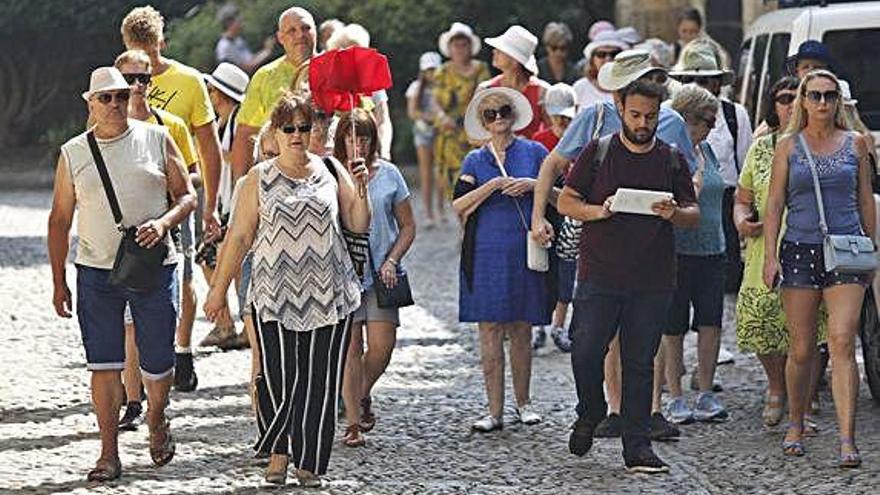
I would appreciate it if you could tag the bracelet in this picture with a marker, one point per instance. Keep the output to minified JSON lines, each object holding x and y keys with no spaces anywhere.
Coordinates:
{"x":391,"y":260}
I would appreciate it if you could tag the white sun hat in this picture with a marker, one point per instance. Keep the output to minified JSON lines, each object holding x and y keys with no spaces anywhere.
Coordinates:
{"x":429,"y":60}
{"x":560,"y":100}
{"x":605,"y":38}
{"x":628,"y":66}
{"x":105,"y":79}
{"x":518,"y":43}
{"x":229,"y":80}
{"x":458,"y":29}
{"x":846,"y":93}
{"x":473,"y":124}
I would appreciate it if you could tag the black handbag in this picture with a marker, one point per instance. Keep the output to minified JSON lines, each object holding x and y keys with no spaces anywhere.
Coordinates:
{"x":135,"y":268}
{"x":398,"y":296}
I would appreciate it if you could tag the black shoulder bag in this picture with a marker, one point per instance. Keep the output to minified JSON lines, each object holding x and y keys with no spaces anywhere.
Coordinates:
{"x":135,"y":268}
{"x":398,"y":296}
{"x":358,"y":243}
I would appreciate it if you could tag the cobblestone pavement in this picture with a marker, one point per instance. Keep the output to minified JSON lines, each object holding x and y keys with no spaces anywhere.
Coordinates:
{"x":425,"y":404}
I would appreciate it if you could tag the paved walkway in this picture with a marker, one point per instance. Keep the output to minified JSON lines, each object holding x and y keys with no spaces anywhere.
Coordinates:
{"x":425,"y":404}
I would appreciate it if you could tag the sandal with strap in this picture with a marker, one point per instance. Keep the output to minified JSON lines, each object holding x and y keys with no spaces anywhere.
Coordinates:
{"x":850,"y":459}
{"x":811,"y":426}
{"x":105,"y":470}
{"x":162,"y":446}
{"x":774,"y":407}
{"x":794,"y":448}
{"x":353,"y":436}
{"x":368,"y":419}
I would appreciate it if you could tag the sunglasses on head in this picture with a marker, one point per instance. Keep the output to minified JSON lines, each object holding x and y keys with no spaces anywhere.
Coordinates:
{"x":141,"y":78}
{"x":829,"y":97}
{"x":106,"y":98}
{"x":606,"y":53}
{"x":784,"y":98}
{"x":302,"y":128}
{"x":504,"y":111}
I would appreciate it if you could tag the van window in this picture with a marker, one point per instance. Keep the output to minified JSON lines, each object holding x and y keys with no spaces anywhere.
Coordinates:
{"x":776,"y":60}
{"x":754,"y":77}
{"x":854,"y":51}
{"x":742,"y":64}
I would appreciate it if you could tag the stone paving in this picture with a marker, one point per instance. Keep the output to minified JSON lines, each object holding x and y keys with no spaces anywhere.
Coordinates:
{"x":425,"y":404}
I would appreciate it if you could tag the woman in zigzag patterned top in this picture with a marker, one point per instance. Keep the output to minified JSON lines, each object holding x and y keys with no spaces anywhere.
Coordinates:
{"x":291,"y":210}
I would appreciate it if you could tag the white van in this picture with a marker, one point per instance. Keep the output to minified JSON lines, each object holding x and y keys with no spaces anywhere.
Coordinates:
{"x":850,"y":30}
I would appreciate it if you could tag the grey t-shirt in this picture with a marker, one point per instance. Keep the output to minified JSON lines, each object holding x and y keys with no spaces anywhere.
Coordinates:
{"x":387,"y":189}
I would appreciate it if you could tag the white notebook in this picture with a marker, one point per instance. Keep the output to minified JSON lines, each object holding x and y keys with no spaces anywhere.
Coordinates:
{"x":637,"y":201}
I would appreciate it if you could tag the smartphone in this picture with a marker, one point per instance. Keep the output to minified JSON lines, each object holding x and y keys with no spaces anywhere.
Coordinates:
{"x":777,"y":282}
{"x":753,"y":218}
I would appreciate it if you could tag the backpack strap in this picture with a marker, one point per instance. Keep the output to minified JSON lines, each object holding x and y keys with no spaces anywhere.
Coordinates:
{"x":157,"y":117}
{"x":729,"y":111}
{"x":602,"y":146}
{"x":600,"y":120}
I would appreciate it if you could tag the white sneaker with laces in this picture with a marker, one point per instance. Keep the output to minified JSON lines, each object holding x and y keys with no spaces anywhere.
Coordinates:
{"x":487,"y":424}
{"x":527,"y":415}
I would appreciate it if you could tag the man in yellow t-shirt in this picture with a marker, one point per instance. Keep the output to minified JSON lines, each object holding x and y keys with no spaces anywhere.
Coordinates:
{"x":181,"y":91}
{"x":297,"y":34}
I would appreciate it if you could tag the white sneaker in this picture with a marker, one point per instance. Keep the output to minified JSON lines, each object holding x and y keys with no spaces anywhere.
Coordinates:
{"x":488,"y":424}
{"x":527,"y":415}
{"x":724,"y":356}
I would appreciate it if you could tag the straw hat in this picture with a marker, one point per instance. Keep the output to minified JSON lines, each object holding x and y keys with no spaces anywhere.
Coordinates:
{"x":458,"y":29}
{"x":229,"y":80}
{"x":626,"y":68}
{"x":518,"y":43}
{"x":429,"y":60}
{"x":605,"y":38}
{"x":473,"y":124}
{"x":699,"y":60}
{"x":105,"y":79}
{"x":560,"y":100}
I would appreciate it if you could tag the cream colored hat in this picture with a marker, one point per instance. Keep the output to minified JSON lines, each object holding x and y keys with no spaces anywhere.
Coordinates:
{"x":605,"y":38}
{"x":626,"y":68}
{"x":229,"y":80}
{"x":105,"y":79}
{"x":519,"y":44}
{"x":698,"y":60}
{"x":458,"y":29}
{"x":473,"y":124}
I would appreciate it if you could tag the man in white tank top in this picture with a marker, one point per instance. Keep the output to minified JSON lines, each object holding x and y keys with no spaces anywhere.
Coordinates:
{"x":145,"y":168}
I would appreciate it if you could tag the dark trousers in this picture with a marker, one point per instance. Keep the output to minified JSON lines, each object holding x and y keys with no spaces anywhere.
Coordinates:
{"x":599,"y":314}
{"x":298,"y":391}
{"x":734,"y":265}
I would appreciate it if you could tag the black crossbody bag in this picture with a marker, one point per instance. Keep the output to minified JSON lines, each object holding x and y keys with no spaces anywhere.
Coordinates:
{"x":398,"y":296}
{"x":135,"y":268}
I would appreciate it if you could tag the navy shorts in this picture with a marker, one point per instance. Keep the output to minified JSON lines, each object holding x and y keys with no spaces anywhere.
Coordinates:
{"x":803,"y":267}
{"x":100,"y":307}
{"x":567,"y":274}
{"x":700,"y":285}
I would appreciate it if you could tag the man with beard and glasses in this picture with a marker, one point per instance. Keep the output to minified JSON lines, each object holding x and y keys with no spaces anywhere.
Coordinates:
{"x":626,"y":267}
{"x":602,"y":119}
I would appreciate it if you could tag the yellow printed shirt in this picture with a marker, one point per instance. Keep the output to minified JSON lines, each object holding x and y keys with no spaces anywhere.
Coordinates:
{"x":180,"y":90}
{"x":179,"y":133}
{"x":266,"y":87}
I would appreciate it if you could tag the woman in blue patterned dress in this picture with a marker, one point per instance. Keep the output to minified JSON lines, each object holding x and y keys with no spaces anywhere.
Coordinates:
{"x":496,"y":289}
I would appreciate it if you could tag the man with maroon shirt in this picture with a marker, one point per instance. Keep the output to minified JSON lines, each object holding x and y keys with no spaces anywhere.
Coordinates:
{"x":626,"y":268}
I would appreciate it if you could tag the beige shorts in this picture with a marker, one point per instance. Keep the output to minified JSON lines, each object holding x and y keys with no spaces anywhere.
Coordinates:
{"x":369,"y":310}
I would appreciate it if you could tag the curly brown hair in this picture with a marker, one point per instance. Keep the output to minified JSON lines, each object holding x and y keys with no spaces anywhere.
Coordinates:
{"x":142,"y":27}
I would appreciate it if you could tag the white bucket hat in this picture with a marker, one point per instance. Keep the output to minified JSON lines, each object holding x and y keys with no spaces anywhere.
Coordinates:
{"x":605,"y":38}
{"x":628,"y":66}
{"x":429,"y":60}
{"x":698,"y":60}
{"x":560,"y":100}
{"x":458,"y":29}
{"x":518,"y":43}
{"x":105,"y":79}
{"x":229,"y":80}
{"x":473,"y":124}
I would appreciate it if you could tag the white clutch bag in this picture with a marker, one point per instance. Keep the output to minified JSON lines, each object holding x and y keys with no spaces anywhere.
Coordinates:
{"x":537,"y":255}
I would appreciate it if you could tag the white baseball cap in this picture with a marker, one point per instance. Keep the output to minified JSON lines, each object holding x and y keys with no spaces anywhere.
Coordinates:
{"x":430,"y":60}
{"x":560,"y":100}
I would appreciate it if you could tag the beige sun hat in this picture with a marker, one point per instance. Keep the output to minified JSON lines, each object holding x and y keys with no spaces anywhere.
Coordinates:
{"x":699,"y":60}
{"x":473,"y":124}
{"x":105,"y":79}
{"x":519,"y":44}
{"x":627,"y":66}
{"x":458,"y":29}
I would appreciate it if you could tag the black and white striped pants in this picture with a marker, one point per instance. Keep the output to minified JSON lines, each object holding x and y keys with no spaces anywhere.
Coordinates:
{"x":298,"y":391}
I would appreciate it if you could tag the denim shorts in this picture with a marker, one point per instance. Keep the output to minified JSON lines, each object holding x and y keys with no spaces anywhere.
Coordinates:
{"x":100,"y":307}
{"x":567,"y":273}
{"x":803,"y":267}
{"x":423,"y":135}
{"x":188,"y":243}
{"x":369,"y":310}
{"x":700,"y":284}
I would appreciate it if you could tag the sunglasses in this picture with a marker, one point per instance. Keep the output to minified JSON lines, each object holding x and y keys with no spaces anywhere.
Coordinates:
{"x":606,"y":53}
{"x":141,"y":78}
{"x":106,"y":98}
{"x":829,"y":97}
{"x":302,"y":128}
{"x":656,"y":77}
{"x":784,"y":98}
{"x":490,"y":114}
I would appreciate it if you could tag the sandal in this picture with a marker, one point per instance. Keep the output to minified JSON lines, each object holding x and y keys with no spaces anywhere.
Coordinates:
{"x":811,"y":426}
{"x":161,"y":443}
{"x":774,"y":406}
{"x":308,"y":479}
{"x":794,"y":448}
{"x":851,"y":459}
{"x":353,"y":436}
{"x":105,"y":470}
{"x":368,"y":419}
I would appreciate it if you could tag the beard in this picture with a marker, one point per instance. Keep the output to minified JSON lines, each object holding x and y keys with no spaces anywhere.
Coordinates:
{"x":641,"y":135}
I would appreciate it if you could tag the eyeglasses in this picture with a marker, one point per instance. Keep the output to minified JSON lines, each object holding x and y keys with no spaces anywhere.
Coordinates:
{"x":700,"y":80}
{"x":784,"y":98}
{"x":656,"y":77}
{"x":829,"y":97}
{"x":557,"y":48}
{"x":106,"y":98}
{"x":302,"y":128}
{"x":504,"y":111}
{"x":606,"y":53}
{"x":141,"y":78}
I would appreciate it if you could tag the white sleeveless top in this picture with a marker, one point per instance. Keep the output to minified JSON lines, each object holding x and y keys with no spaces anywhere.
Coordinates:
{"x":135,"y":161}
{"x":302,"y":274}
